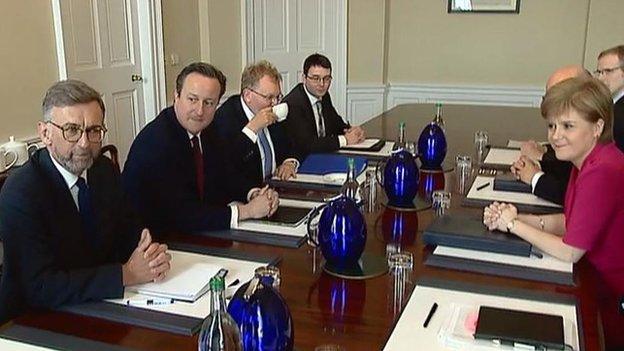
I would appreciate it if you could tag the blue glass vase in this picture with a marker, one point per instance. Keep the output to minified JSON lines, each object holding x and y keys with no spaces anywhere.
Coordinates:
{"x":432,"y":146}
{"x":341,"y":231}
{"x":400,"y":178}
{"x":261,"y":313}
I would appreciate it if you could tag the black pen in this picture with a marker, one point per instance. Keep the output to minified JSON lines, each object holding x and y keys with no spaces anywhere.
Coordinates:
{"x":537,"y":254}
{"x":234,"y":283}
{"x":482,"y":186}
{"x":432,"y":311}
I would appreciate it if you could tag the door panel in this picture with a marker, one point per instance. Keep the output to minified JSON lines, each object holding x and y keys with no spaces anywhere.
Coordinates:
{"x":101,"y":49}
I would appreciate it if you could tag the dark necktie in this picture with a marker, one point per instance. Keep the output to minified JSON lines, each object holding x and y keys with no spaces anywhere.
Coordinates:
{"x":267,"y":170}
{"x":85,"y":207}
{"x":199,"y":166}
{"x":321,"y":123}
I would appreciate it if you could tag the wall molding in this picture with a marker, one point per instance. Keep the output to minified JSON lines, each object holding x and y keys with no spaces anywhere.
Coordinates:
{"x":367,"y":101}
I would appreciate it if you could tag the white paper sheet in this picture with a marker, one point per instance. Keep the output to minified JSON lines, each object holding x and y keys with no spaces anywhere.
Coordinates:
{"x":186,"y":283}
{"x":409,"y":333}
{"x":502,"y":156}
{"x":365,"y":144}
{"x":547,"y":262}
{"x":488,"y":193}
{"x":385,"y":151}
{"x":327,"y":179}
{"x":11,"y":345}
{"x":238,"y":269}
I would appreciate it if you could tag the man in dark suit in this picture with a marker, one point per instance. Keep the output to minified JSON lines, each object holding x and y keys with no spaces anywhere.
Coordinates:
{"x":177,"y":174}
{"x":610,"y":71}
{"x":67,"y":233}
{"x":255,"y":141}
{"x":538,"y":165}
{"x":313,"y":124}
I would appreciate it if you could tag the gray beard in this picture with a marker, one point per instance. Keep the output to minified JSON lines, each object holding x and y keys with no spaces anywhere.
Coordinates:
{"x":76,"y":167}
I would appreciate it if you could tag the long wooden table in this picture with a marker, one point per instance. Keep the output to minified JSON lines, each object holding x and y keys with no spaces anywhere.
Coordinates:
{"x":355,"y":314}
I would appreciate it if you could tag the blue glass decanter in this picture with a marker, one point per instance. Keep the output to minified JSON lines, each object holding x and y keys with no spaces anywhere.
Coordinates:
{"x":261,"y":313}
{"x":400,"y":174}
{"x":432,"y":142}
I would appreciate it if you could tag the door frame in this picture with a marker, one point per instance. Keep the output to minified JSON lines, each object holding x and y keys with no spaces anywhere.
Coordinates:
{"x":150,"y":47}
{"x":339,"y":72}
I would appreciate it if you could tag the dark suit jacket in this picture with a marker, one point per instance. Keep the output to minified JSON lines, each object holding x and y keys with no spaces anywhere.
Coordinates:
{"x":618,"y":123}
{"x":49,"y":260}
{"x":159,"y":177}
{"x":229,"y":121}
{"x":553,"y":184}
{"x":301,"y":124}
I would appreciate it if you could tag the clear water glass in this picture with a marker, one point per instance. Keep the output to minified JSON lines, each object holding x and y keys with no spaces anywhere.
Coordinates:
{"x":463,"y":170}
{"x":481,"y":140}
{"x":441,"y":202}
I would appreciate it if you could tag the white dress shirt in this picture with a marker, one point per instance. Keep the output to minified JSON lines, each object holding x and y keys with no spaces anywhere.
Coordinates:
{"x":342,"y":140}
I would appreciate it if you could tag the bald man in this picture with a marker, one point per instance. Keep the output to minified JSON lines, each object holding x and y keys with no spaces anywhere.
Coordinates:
{"x":538,"y":165}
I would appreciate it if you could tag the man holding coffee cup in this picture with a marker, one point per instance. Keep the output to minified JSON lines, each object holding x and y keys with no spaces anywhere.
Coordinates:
{"x":250,"y":124}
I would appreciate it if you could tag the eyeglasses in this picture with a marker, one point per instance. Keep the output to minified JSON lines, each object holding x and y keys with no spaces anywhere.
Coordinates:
{"x":73,"y":132}
{"x":319,"y":79}
{"x":600,"y":72}
{"x":272,"y":99}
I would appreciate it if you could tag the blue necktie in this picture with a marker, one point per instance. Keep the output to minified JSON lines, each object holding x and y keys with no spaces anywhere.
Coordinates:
{"x":268,"y":156}
{"x":85,"y":207}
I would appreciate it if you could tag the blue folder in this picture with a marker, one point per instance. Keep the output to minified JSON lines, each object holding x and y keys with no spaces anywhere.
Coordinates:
{"x":320,"y":164}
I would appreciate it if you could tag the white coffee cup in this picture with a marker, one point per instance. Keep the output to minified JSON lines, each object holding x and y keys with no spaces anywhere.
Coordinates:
{"x":281,"y":111}
{"x":4,"y":164}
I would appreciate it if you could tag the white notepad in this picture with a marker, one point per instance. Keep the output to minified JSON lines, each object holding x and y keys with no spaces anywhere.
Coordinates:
{"x":239,"y":270}
{"x":367,"y":143}
{"x":502,"y":156}
{"x":547,"y":262}
{"x":442,"y":332}
{"x":11,"y":345}
{"x":185,"y":283}
{"x":488,"y":193}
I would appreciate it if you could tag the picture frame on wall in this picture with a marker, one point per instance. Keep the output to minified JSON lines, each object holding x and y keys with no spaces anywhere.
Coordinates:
{"x":487,"y":6}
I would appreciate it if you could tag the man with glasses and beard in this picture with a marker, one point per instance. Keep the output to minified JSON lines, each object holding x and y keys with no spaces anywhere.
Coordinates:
{"x":313,"y":124}
{"x":67,"y":234}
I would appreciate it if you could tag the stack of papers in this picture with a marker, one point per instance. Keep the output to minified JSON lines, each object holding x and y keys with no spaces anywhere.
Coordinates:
{"x":185,"y":283}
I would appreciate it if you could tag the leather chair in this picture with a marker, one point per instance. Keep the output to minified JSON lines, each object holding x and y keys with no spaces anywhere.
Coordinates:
{"x":113,"y":155}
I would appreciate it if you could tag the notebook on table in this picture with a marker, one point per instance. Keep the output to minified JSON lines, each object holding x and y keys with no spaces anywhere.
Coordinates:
{"x":372,"y":144}
{"x":520,"y":328}
{"x":320,"y":164}
{"x":509,"y":182}
{"x":184,"y":283}
{"x":466,"y":232}
{"x":287,"y":216}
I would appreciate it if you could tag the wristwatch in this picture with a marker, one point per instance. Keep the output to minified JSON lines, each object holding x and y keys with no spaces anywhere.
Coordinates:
{"x":510,"y":225}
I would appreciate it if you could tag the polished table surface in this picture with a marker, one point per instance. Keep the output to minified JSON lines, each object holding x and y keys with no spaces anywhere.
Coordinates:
{"x":355,"y":314}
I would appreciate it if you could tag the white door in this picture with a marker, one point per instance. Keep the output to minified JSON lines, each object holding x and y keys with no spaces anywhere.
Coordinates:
{"x":101,"y":44}
{"x":285,"y":32}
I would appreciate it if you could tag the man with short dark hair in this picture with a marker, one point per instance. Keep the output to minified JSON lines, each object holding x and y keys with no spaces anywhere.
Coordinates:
{"x":313,"y":123}
{"x":177,"y":173}
{"x":68,"y":234}
{"x":610,"y":71}
{"x":255,"y":140}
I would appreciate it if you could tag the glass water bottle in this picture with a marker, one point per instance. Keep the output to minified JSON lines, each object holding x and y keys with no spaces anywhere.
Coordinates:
{"x":219,"y":332}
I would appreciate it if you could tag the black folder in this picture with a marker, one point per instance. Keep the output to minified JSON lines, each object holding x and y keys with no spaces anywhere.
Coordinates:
{"x":512,"y":327}
{"x":508,"y":182}
{"x":287,"y":215}
{"x":465,"y":232}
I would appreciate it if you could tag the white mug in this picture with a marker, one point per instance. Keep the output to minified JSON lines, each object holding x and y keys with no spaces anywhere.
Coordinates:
{"x":281,"y":111}
{"x":4,"y":165}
